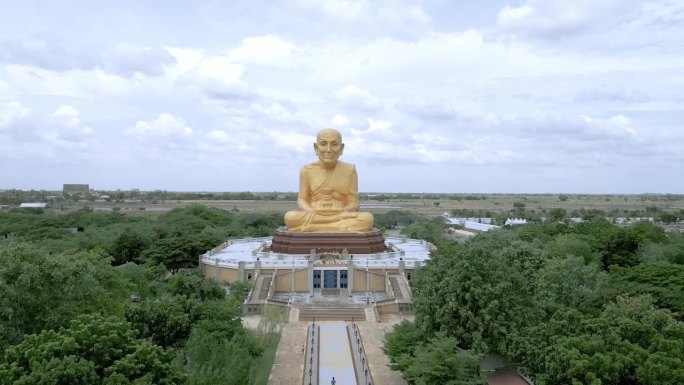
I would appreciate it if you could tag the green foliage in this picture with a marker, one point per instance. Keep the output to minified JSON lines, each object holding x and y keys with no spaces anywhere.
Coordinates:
{"x":592,"y":303}
{"x":193,"y":285}
{"x":42,"y":291}
{"x":430,"y":230}
{"x":440,"y":361}
{"x":568,"y":281}
{"x":402,"y":341}
{"x":394,"y":218}
{"x":166,"y":321}
{"x":240,"y":290}
{"x":663,"y":281}
{"x":93,"y":350}
{"x":479,"y":295}
{"x":67,"y":272}
{"x":129,"y":246}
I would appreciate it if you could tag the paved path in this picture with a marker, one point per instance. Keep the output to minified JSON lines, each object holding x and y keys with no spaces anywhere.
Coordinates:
{"x":373,"y":337}
{"x":289,"y":361}
{"x":335,"y":355}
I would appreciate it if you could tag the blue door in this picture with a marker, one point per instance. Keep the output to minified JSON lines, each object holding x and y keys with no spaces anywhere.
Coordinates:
{"x":330,"y":279}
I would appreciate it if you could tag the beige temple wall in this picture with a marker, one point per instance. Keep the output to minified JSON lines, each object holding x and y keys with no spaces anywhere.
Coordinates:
{"x":283,"y":281}
{"x":387,"y":308}
{"x":229,"y":275}
{"x":376,"y":280}
{"x":301,"y":280}
{"x":209,"y":271}
{"x":359,"y":283}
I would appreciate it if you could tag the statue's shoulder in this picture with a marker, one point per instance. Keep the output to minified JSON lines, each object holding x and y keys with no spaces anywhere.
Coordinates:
{"x":307,"y":169}
{"x":345,"y":167}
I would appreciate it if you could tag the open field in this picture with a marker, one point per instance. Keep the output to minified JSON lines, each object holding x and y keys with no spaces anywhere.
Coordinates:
{"x":431,"y":206}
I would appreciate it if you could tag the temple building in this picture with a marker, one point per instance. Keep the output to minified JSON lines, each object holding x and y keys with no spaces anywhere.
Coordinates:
{"x":330,"y":278}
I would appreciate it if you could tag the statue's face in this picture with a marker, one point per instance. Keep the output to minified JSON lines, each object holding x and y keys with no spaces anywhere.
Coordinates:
{"x":329,"y":146}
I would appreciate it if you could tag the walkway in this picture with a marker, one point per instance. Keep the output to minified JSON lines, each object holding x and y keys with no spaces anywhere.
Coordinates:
{"x":289,"y":361}
{"x":335,"y":355}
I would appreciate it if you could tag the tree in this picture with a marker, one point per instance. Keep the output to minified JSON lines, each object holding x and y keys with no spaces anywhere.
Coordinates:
{"x":441,"y":361}
{"x":481,"y":293}
{"x":557,"y":214}
{"x":663,"y":281}
{"x":430,"y":230}
{"x":193,"y":285}
{"x":166,"y":321}
{"x":42,"y":291}
{"x":93,"y":350}
{"x":569,"y":281}
{"x":403,"y":340}
{"x":128,"y":247}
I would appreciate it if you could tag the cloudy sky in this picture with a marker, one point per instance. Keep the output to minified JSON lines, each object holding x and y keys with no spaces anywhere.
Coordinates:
{"x":431,"y":96}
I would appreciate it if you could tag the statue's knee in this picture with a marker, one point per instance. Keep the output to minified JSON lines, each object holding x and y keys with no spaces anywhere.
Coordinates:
{"x":366,"y":218}
{"x":290,"y":217}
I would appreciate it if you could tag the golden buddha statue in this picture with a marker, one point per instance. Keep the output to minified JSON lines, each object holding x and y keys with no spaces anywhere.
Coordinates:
{"x":328,"y":192}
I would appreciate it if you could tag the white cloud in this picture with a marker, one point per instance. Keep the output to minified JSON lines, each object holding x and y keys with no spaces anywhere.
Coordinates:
{"x":165,"y":125}
{"x":548,"y":87}
{"x":268,"y":50}
{"x":374,"y":125}
{"x":352,"y":10}
{"x":354,"y":96}
{"x":216,"y":72}
{"x":554,"y":18}
{"x":68,"y":126}
{"x":339,"y":120}
{"x":11,"y":112}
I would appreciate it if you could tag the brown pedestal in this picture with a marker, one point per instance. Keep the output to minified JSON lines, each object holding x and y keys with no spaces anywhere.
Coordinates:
{"x":290,"y":242}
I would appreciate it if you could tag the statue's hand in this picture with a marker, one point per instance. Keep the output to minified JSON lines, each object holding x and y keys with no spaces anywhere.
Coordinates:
{"x":328,"y":212}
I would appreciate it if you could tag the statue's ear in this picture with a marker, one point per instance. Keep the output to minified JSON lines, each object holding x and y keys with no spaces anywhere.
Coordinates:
{"x":315,"y":148}
{"x":341,"y":148}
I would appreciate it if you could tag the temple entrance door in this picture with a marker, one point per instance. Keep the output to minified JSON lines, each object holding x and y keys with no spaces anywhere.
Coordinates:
{"x":330,"y":279}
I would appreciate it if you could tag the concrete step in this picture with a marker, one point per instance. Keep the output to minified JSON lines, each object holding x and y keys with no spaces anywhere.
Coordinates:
{"x":332,"y":314}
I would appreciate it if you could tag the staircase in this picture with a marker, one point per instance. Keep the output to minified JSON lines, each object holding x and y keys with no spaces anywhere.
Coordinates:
{"x":263,"y":291}
{"x":395,"y":287}
{"x":332,"y":314}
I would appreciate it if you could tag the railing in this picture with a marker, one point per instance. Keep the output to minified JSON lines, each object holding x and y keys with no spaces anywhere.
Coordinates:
{"x":311,"y":357}
{"x":389,"y":289}
{"x":271,"y":287}
{"x":361,"y":367}
{"x":384,"y":301}
{"x":274,"y":259}
{"x":275,"y":301}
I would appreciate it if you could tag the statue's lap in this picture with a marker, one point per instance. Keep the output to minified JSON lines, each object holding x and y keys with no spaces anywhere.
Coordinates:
{"x":302,"y":221}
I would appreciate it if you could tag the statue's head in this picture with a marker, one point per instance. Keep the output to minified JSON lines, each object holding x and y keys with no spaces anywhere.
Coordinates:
{"x":329,"y":146}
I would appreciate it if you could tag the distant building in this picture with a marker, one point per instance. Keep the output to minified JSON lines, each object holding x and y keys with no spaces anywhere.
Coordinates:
{"x":515,"y":221}
{"x":80,"y":189}
{"x":479,"y":224}
{"x":33,"y":205}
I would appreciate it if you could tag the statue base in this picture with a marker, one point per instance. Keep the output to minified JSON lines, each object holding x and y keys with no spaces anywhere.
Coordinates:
{"x":290,"y":242}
